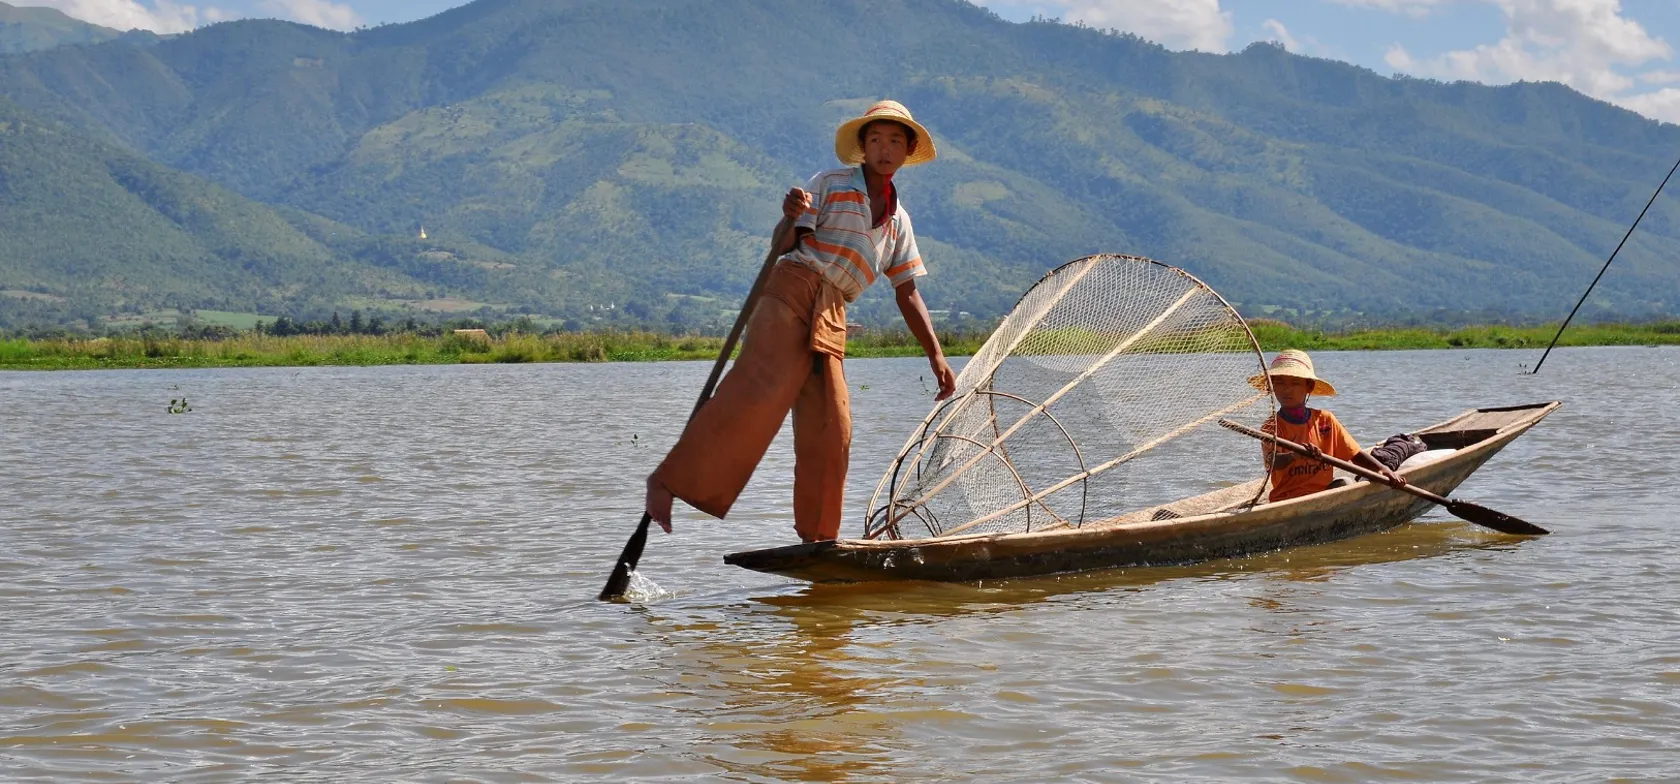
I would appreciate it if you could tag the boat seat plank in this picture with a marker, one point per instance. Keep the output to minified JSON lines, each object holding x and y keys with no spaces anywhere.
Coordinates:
{"x":1474,"y":426}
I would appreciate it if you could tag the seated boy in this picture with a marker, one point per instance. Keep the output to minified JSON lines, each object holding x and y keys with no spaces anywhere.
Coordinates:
{"x":1295,"y":475}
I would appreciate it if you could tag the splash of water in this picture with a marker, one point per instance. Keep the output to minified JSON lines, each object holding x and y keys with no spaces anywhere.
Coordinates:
{"x":643,"y":590}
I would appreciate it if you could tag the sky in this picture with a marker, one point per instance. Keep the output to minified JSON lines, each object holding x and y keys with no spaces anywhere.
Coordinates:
{"x":1615,"y":50}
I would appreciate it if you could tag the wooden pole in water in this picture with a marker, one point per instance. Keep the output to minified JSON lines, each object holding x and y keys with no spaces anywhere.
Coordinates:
{"x":1602,"y":269}
{"x":619,"y":581}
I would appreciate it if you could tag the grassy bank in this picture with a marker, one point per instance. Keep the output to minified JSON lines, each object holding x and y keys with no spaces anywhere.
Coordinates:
{"x":1275,"y":335}
{"x":252,"y":349}
{"x":259,"y":350}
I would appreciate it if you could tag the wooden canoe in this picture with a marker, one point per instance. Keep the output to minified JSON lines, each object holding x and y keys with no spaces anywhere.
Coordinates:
{"x":1214,"y":525}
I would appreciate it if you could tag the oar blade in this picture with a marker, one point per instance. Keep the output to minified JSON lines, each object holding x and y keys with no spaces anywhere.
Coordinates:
{"x":1498,"y":521}
{"x":619,"y":582}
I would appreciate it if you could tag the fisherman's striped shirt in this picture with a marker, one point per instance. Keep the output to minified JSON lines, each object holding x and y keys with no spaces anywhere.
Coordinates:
{"x":844,"y":247}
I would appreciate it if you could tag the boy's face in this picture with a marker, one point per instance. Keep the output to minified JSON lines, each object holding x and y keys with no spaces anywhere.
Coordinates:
{"x":1291,"y":392}
{"x":885,"y":146}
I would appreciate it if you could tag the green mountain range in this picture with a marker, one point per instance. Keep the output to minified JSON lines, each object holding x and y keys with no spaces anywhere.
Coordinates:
{"x":94,"y":231}
{"x":565,"y":157}
{"x":32,"y":29}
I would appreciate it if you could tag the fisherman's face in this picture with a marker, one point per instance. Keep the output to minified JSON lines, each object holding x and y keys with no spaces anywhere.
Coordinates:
{"x":885,"y":146}
{"x":1291,"y":392}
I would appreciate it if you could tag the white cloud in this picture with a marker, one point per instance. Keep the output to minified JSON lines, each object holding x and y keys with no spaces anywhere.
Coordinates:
{"x":1281,"y":34}
{"x":168,"y":16}
{"x":1275,"y":30}
{"x":1416,"y":9}
{"x":1586,"y":44}
{"x":163,"y":16}
{"x":1399,"y":59}
{"x":1663,"y":104}
{"x":1177,"y":24}
{"x":320,"y":13}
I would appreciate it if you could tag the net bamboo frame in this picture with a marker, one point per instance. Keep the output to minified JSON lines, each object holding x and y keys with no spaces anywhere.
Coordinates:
{"x":1097,"y":397}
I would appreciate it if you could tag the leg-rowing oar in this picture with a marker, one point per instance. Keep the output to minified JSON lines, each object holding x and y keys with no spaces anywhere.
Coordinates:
{"x":619,"y":581}
{"x":1464,"y":510}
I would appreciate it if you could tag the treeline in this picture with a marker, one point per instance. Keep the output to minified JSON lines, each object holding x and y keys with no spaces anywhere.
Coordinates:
{"x":255,"y":349}
{"x":438,"y":344}
{"x":375,"y":325}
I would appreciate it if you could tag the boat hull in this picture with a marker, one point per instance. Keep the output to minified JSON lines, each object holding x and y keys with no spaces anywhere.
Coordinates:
{"x":1356,"y":509}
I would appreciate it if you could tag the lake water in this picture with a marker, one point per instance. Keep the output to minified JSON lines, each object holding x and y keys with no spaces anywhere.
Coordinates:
{"x":340,"y":574}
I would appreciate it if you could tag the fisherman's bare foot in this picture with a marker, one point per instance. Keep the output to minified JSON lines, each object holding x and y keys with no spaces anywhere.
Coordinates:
{"x":658,"y":504}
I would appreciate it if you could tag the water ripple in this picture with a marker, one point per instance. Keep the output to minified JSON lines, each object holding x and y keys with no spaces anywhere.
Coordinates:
{"x":341,"y":573}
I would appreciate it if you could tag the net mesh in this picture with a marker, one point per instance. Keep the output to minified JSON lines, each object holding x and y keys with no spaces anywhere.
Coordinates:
{"x":1095,"y":402}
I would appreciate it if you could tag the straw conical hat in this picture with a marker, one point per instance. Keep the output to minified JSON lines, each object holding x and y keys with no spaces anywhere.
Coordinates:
{"x":850,"y":151}
{"x":1294,"y":362}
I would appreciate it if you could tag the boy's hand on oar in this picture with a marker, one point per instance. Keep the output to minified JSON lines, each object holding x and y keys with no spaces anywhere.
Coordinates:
{"x":1393,"y":478}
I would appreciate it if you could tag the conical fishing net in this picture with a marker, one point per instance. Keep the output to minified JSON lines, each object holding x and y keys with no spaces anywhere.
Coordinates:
{"x":1095,"y":402}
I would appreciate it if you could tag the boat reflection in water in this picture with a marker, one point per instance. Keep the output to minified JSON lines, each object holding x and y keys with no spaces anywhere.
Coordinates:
{"x":841,"y":681}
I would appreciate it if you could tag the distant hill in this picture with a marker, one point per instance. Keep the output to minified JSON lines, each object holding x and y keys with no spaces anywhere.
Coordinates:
{"x":31,"y":29}
{"x":631,"y":152}
{"x":95,"y":231}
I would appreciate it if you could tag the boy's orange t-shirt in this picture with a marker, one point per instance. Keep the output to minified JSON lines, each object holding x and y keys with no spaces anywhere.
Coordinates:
{"x":1304,"y":475}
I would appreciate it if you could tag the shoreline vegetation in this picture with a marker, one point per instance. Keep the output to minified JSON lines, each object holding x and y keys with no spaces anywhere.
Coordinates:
{"x":257,"y":349}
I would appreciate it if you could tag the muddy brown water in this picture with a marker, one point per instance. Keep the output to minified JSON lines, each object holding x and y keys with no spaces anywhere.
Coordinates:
{"x":387,"y":574}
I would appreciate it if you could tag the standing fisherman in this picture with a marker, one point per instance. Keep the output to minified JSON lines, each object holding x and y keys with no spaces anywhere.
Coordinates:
{"x":847,"y":228}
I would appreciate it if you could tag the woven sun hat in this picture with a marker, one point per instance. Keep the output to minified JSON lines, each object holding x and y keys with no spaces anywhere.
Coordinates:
{"x":1293,"y":362}
{"x":850,"y":151}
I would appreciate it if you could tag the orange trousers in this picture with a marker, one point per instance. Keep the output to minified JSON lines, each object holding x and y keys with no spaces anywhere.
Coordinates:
{"x":790,"y":359}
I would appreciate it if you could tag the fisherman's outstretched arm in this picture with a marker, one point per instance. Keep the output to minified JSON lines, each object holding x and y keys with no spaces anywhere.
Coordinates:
{"x":916,"y":317}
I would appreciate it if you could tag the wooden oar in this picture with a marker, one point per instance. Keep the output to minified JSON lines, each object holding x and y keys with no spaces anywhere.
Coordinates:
{"x":1464,"y":510}
{"x":619,"y":581}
